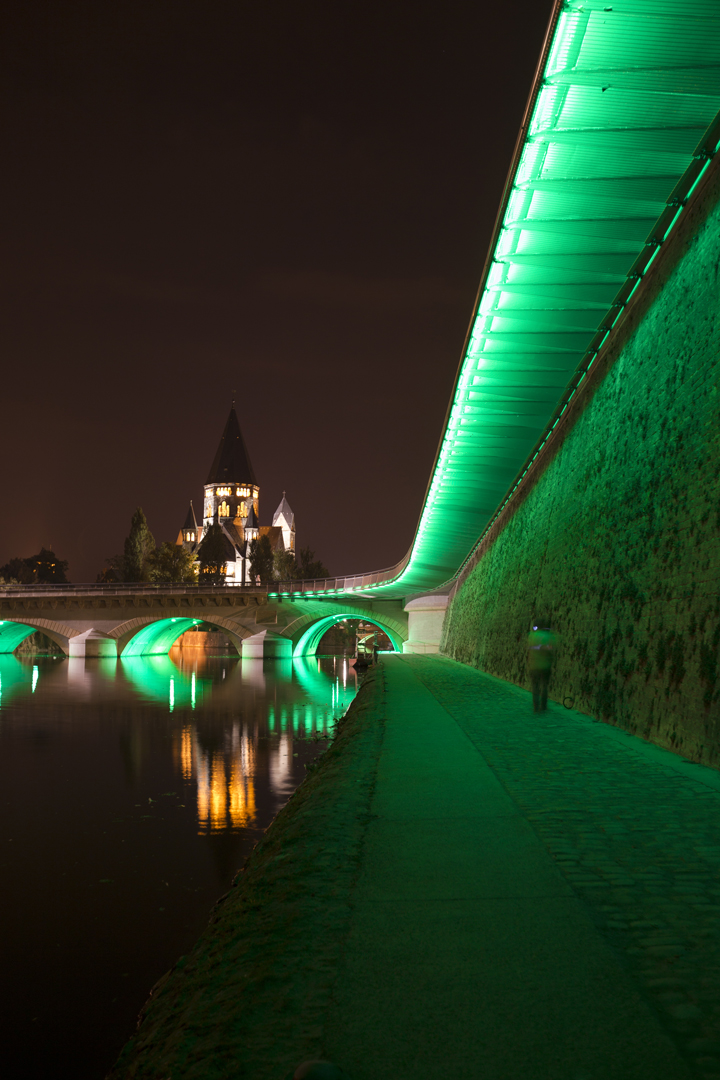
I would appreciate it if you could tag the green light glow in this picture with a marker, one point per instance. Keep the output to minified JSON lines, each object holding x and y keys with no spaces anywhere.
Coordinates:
{"x":308,"y":643}
{"x":626,"y":94}
{"x":12,"y":634}
{"x":14,"y":676}
{"x":157,"y":638}
{"x":158,"y":679}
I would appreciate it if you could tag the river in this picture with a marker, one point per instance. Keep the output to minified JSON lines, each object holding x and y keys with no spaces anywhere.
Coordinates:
{"x":132,"y":792}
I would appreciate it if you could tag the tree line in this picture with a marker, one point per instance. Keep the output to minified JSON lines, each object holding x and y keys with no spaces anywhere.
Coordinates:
{"x":143,"y":561}
{"x":42,"y":569}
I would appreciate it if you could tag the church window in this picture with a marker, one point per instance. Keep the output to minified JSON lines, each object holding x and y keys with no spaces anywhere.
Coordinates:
{"x":223,"y":509}
{"x":243,"y":509}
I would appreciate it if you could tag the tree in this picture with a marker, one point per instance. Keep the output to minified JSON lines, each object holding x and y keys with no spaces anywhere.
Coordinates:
{"x":42,"y":569}
{"x":17,"y":571}
{"x":48,"y":569}
{"x":113,"y":571}
{"x":284,"y":566}
{"x":310,"y":567}
{"x":138,"y":549}
{"x":173,"y":562}
{"x":261,"y":560}
{"x":212,"y":556}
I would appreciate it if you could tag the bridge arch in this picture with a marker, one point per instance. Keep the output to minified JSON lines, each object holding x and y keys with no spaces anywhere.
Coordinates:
{"x":307,"y":643}
{"x":155,"y":636}
{"x":13,"y":633}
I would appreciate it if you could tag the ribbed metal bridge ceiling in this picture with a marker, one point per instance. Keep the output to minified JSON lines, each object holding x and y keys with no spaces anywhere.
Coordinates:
{"x":625,"y":93}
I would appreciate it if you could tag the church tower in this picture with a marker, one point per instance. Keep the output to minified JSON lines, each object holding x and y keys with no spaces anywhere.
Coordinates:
{"x":285,"y":520}
{"x":231,"y":488}
{"x":232,"y":501}
{"x":191,"y":533}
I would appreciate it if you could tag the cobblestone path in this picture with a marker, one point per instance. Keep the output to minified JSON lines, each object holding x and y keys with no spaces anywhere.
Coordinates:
{"x":634,"y":829}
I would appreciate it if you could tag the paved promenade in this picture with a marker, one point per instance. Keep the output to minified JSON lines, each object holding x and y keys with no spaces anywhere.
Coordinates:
{"x":539,"y":896}
{"x":463,"y":890}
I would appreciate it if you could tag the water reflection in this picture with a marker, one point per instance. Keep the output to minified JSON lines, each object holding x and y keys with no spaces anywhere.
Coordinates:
{"x":225,"y":778}
{"x":16,"y":677}
{"x":137,"y":787}
{"x":290,"y":699}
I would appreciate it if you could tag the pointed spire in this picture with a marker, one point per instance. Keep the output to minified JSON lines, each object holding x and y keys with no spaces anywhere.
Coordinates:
{"x":190,"y":522}
{"x":231,"y":464}
{"x":251,"y":521}
{"x":283,"y":510}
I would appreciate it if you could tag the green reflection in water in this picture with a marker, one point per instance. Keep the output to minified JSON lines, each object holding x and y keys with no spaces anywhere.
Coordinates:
{"x":328,"y":685}
{"x":337,"y":688}
{"x":16,"y":677}
{"x":159,"y":679}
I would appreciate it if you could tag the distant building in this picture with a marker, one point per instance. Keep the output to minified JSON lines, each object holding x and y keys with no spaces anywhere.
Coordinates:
{"x":232,"y":500}
{"x":284,"y":519}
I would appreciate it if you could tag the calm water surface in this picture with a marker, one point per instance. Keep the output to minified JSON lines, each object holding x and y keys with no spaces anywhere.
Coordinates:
{"x":131,"y":793}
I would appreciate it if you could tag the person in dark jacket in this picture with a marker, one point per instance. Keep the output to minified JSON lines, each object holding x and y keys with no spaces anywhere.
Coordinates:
{"x":542,"y":651}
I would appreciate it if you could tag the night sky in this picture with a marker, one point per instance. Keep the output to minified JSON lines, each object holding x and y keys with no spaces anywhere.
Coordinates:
{"x":289,"y":200}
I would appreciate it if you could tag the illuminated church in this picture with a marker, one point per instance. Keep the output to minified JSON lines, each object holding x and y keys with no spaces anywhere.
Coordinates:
{"x":232,"y":500}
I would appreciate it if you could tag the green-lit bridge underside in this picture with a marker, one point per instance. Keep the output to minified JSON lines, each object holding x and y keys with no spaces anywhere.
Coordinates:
{"x":13,"y":634}
{"x":158,"y":637}
{"x":624,"y":97}
{"x":308,"y":643}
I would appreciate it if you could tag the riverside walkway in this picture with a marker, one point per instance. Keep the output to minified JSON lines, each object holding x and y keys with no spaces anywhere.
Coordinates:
{"x":463,"y":889}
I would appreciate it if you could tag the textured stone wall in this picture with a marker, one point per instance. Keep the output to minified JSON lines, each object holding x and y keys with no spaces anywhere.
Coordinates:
{"x":617,"y":537}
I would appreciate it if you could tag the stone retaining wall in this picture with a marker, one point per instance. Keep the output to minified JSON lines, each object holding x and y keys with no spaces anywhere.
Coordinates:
{"x":617,"y":535}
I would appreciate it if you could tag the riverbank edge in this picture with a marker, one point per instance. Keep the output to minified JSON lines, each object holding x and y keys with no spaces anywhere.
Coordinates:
{"x":249,"y":1000}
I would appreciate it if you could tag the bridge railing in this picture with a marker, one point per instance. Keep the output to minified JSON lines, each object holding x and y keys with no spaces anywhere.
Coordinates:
{"x":343,"y":584}
{"x":294,"y":589}
{"x":121,"y":588}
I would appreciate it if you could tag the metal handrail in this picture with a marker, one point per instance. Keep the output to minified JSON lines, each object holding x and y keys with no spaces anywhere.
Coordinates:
{"x":120,"y":587}
{"x":341,"y":584}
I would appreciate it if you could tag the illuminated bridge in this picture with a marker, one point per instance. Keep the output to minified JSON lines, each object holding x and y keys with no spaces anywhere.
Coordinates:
{"x":619,"y":130}
{"x":138,"y":620}
{"x":612,"y":182}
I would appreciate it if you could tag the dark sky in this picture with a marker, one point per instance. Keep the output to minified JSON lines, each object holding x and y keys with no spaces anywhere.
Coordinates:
{"x":289,"y":199}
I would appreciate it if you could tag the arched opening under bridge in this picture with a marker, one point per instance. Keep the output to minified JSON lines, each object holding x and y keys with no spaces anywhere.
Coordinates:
{"x":158,"y":637}
{"x":310,"y":639}
{"x":13,"y":634}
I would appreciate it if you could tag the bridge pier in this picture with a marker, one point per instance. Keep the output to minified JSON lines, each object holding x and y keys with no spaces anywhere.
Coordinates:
{"x":426,"y":615}
{"x":92,"y":644}
{"x":266,"y":644}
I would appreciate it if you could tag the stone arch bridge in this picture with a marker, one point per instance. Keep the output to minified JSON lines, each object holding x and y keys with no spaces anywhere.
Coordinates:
{"x":95,"y":621}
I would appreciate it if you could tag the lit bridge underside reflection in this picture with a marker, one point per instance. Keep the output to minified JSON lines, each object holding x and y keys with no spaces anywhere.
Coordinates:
{"x":16,"y":678}
{"x":225,"y":776}
{"x":238,"y":721}
{"x":225,"y":780}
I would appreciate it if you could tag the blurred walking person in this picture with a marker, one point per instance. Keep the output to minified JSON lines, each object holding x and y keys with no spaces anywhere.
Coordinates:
{"x":542,"y":650}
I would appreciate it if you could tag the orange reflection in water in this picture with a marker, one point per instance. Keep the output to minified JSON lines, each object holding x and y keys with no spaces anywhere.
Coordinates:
{"x":186,"y":753}
{"x":225,"y":781}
